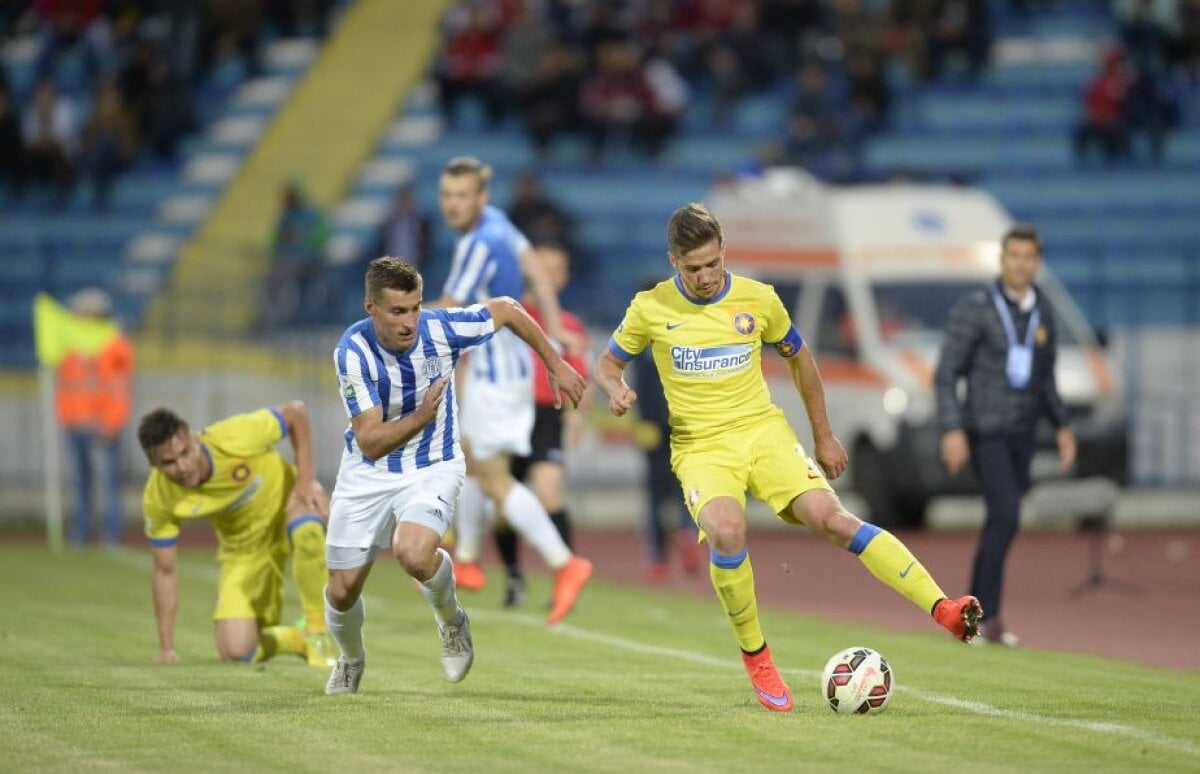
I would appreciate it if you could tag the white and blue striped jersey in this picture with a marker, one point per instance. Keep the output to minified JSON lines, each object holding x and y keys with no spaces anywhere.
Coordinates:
{"x":487,"y":264}
{"x":370,"y":375}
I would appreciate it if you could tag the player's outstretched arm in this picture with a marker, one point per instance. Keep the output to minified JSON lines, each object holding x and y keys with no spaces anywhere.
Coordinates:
{"x":542,"y":291}
{"x":377,"y":438}
{"x":308,"y":494}
{"x":610,"y":375}
{"x":165,"y":586}
{"x":826,"y":447}
{"x":564,"y":380}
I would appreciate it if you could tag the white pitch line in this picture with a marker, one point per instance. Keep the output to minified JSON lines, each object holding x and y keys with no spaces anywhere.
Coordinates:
{"x":975,"y":707}
{"x":131,"y":558}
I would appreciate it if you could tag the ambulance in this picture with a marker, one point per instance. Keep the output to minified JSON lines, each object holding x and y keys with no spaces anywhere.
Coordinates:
{"x":869,"y":273}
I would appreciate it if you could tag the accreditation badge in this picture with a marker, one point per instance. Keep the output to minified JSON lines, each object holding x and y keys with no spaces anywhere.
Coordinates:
{"x":1020,"y":365}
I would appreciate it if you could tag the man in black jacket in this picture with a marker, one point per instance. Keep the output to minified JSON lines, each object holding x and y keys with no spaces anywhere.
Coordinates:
{"x":1003,"y":340}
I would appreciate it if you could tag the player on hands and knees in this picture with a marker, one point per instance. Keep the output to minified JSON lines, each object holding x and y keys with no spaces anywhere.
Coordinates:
{"x":706,"y":329}
{"x":492,"y":259}
{"x":263,"y":509}
{"x":402,"y":466}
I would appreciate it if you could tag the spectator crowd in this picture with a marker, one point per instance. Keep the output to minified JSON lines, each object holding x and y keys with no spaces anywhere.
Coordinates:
{"x":619,"y":74}
{"x":115,"y":82}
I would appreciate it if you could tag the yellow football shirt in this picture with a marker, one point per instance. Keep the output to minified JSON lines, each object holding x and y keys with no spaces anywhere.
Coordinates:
{"x":709,"y":352}
{"x":246,"y":493}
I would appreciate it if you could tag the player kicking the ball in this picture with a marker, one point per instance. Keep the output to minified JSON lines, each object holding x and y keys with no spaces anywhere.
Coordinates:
{"x":706,"y":329}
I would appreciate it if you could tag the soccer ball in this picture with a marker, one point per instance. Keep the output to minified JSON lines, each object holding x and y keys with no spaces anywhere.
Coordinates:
{"x":857,"y":681}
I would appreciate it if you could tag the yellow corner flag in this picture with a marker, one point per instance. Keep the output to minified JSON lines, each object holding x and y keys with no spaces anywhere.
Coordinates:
{"x":58,"y":331}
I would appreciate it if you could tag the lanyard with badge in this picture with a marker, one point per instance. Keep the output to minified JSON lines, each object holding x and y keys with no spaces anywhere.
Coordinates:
{"x":1020,"y":355}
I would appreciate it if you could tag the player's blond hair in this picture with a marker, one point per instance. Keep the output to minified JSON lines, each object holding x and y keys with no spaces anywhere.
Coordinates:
{"x":692,"y":226}
{"x":469,"y":165}
{"x":389,"y":273}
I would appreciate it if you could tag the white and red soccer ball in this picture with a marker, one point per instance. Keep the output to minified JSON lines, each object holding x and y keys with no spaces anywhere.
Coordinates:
{"x":857,"y":681}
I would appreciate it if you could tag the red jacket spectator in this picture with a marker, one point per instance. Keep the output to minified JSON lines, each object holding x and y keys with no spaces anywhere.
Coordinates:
{"x":541,"y":383}
{"x":1104,"y":99}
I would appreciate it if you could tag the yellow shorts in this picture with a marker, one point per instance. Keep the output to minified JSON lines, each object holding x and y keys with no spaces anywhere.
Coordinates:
{"x":765,"y":458}
{"x":251,"y":579}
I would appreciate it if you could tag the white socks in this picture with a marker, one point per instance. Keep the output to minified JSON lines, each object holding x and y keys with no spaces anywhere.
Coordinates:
{"x":470,"y":522}
{"x":439,"y":590}
{"x":346,"y":628}
{"x":526,"y":515}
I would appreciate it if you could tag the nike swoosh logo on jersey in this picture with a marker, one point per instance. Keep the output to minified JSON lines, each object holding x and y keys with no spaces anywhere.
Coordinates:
{"x":673,"y":326}
{"x":778,"y":701}
{"x":904,"y":574}
{"x":442,"y":499}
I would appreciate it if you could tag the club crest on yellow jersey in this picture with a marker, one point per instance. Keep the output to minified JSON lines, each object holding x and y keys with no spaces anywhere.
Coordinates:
{"x":744,"y":323}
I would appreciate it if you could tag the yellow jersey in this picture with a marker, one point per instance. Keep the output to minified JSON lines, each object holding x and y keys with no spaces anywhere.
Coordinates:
{"x":246,"y":494}
{"x":709,"y":351}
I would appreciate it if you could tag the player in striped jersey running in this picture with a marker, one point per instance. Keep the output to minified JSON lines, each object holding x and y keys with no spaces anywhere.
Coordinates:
{"x":402,"y":466}
{"x":493,"y":258}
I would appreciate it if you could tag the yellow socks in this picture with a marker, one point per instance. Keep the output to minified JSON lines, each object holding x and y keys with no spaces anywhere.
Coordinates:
{"x":733,"y":578}
{"x":891,"y":562}
{"x":274,"y":640}
{"x":307,"y":534}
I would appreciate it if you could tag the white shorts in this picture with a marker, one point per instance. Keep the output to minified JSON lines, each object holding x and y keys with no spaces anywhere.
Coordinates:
{"x":497,"y":419}
{"x":369,"y":501}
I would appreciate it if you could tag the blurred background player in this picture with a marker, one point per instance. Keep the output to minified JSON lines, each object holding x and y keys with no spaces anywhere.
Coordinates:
{"x":263,"y":509}
{"x":554,"y":431}
{"x":706,"y":329}
{"x":93,"y":399}
{"x":492,"y":259}
{"x":402,"y":467}
{"x":653,"y":435}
